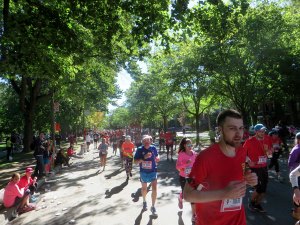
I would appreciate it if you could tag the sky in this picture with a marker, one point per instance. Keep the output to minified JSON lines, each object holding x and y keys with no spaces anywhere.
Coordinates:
{"x":124,"y":81}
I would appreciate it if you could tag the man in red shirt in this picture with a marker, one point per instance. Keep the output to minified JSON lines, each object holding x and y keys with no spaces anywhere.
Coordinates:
{"x":217,"y":182}
{"x":257,"y":148}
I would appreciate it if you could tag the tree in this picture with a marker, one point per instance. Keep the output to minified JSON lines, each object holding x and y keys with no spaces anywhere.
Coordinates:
{"x":191,"y":80}
{"x":43,"y":44}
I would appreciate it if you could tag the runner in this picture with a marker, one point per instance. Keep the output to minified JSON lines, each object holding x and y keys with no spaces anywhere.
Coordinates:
{"x":87,"y":141}
{"x":276,"y":147}
{"x":114,"y":142}
{"x":96,"y":138}
{"x":185,"y":161}
{"x":161,"y":140}
{"x":121,"y":141}
{"x":293,"y":163}
{"x":103,"y":147}
{"x":169,"y":144}
{"x":147,"y":157}
{"x":217,"y":182}
{"x":257,"y":148}
{"x":128,"y":149}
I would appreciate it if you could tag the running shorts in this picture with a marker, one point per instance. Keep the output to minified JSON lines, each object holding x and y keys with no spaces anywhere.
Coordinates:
{"x":148,"y":177}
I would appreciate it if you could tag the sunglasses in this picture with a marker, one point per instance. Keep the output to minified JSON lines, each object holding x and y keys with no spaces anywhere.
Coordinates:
{"x":189,"y":145}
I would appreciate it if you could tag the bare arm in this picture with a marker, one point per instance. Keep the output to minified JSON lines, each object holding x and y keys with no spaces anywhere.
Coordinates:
{"x":234,"y":189}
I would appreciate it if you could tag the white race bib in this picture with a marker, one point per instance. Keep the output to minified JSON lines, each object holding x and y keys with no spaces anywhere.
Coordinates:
{"x":262,"y":159}
{"x":187,"y":170}
{"x":147,"y":164}
{"x":231,"y":204}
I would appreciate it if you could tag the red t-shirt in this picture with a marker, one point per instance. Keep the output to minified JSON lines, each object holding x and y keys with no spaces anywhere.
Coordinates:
{"x":24,"y":183}
{"x":256,"y":151}
{"x":213,"y":171}
{"x":169,"y":138}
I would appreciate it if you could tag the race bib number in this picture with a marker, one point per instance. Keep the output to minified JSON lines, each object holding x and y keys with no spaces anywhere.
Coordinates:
{"x":262,"y":159}
{"x":187,"y":170}
{"x":147,"y":164}
{"x":231,"y":204}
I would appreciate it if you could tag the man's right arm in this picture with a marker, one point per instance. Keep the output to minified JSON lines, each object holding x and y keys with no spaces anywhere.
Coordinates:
{"x":233,"y":190}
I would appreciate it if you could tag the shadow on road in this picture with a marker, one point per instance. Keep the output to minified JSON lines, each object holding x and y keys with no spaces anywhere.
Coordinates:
{"x":116,"y":189}
{"x":115,"y":173}
{"x":135,"y":196}
{"x":139,"y":218}
{"x":180,"y":220}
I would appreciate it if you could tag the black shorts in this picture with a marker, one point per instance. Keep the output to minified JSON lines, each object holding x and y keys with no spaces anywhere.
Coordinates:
{"x":262,"y":178}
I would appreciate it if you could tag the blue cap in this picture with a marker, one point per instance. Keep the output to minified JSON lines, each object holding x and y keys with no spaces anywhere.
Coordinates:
{"x":273,"y":132}
{"x":259,"y":127}
{"x":298,"y":135}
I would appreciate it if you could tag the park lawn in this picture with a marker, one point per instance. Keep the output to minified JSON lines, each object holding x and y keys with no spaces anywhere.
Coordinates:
{"x":18,"y":158}
{"x":2,"y":146}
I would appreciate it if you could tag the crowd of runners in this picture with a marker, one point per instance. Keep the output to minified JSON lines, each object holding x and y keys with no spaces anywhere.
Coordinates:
{"x":213,"y":180}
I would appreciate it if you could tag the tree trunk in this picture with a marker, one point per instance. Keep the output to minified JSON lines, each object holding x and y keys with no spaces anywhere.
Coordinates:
{"x":28,"y":131}
{"x":197,"y":129}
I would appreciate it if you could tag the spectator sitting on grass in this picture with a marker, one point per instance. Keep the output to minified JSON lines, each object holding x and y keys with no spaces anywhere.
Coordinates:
{"x":71,"y":151}
{"x":16,"y":197}
{"x":61,"y":159}
{"x":26,"y":182}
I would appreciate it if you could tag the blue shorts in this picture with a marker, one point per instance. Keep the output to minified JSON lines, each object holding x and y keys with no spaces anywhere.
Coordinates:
{"x":148,"y":177}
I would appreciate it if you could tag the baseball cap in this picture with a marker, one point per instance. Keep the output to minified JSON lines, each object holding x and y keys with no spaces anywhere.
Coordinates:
{"x":29,"y":169}
{"x":298,"y":135}
{"x":273,"y":132}
{"x":259,"y":127}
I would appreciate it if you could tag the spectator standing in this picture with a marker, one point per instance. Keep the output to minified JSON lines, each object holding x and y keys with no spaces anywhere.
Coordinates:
{"x":39,"y":148}
{"x":8,"y":148}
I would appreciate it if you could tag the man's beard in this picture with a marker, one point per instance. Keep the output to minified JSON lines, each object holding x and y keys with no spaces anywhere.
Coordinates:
{"x":232,"y":143}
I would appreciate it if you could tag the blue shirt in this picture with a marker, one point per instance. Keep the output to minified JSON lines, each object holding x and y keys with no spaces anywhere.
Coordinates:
{"x":148,"y":165}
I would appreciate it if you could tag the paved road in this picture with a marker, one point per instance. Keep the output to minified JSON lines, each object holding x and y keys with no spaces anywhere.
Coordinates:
{"x":84,"y":195}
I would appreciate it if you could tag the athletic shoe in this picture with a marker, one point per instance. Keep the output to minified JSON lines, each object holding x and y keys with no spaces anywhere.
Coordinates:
{"x":251,"y":206}
{"x":259,"y":208}
{"x":153,"y":210}
{"x":145,"y":206}
{"x":180,"y":205}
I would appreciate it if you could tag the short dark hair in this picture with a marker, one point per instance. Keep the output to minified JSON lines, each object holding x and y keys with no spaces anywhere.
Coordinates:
{"x":227,"y":113}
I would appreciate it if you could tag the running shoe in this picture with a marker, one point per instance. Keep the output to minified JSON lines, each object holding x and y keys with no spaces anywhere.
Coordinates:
{"x":145,"y":206}
{"x":251,"y":206}
{"x":259,"y":208}
{"x":153,"y":210}
{"x":180,"y":205}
